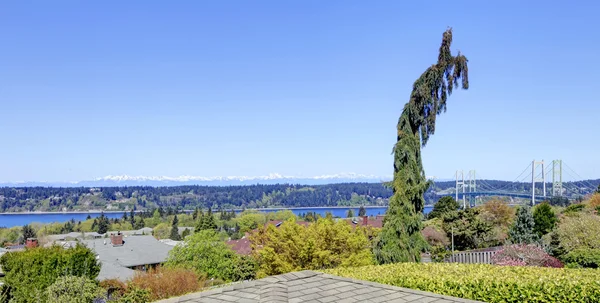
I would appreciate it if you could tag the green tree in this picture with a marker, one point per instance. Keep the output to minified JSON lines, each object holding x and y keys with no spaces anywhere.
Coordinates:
{"x":468,"y":229}
{"x":598,"y":190}
{"x":161,"y":231}
{"x":28,"y":232}
{"x":362,"y":211}
{"x":139,"y":223}
{"x":186,"y":232}
{"x":544,"y":219}
{"x":522,"y":230}
{"x":103,"y":224}
{"x":30,"y":272}
{"x":207,"y":255}
{"x":175,"y":230}
{"x":350,"y":213}
{"x":444,"y":205}
{"x":400,"y":239}
{"x":73,"y":289}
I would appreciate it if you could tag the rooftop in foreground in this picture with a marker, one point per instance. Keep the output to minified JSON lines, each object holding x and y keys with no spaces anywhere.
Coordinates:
{"x":310,"y":286}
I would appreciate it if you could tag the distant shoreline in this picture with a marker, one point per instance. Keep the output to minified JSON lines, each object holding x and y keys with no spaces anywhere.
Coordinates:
{"x":127,"y":211}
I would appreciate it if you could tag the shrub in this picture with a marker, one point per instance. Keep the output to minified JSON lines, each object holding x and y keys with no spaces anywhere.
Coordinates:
{"x":488,"y":283}
{"x":114,"y":288}
{"x":470,"y":231}
{"x":324,"y":244}
{"x":594,"y":201}
{"x":583,"y":257}
{"x":135,"y":295}
{"x":579,"y":231}
{"x":72,"y":289}
{"x":525,"y":255}
{"x":204,"y":253}
{"x":30,"y":272}
{"x":573,"y":208}
{"x":163,"y":283}
{"x":161,"y":231}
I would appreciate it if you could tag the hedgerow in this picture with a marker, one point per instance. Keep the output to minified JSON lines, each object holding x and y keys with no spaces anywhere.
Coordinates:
{"x":488,"y":283}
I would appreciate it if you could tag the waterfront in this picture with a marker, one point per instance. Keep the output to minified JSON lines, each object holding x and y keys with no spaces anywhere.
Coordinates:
{"x":19,"y":219}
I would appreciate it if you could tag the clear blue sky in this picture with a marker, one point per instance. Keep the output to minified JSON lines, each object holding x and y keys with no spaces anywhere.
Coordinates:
{"x":217,"y":88}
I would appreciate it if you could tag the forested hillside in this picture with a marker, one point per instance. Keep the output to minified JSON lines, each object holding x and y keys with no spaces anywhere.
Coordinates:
{"x":15,"y":199}
{"x":18,"y":199}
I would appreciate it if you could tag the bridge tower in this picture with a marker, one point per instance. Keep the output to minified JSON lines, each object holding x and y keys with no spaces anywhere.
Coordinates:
{"x":460,"y":185}
{"x":472,"y":185}
{"x":557,"y":178}
{"x":535,"y":179}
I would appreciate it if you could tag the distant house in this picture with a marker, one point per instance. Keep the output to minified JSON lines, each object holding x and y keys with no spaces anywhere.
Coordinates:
{"x":364,"y":221}
{"x":121,"y":255}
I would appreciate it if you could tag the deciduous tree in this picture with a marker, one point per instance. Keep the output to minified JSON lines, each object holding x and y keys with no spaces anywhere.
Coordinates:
{"x":444,"y":205}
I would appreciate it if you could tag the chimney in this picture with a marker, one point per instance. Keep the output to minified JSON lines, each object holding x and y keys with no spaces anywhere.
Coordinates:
{"x":31,"y":243}
{"x":365,"y":220}
{"x":116,"y":240}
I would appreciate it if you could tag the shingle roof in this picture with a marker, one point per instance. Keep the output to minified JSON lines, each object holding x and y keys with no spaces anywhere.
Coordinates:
{"x":113,"y":271}
{"x":309,"y":286}
{"x":136,"y":250}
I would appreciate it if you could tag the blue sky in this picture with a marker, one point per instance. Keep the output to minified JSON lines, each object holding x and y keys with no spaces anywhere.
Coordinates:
{"x":217,"y":88}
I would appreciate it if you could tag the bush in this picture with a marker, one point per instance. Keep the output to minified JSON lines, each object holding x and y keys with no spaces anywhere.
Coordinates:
{"x":135,"y":295}
{"x":30,"y":272}
{"x":114,"y":288}
{"x":324,"y":244}
{"x":525,"y":255}
{"x":583,"y":257}
{"x":204,"y":253}
{"x":544,"y":219}
{"x":72,"y":289}
{"x":488,"y":283}
{"x":573,"y":208}
{"x":163,"y":283}
{"x":579,"y":231}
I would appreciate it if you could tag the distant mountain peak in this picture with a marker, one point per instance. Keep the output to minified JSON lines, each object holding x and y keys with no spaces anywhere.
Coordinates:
{"x":271,"y":176}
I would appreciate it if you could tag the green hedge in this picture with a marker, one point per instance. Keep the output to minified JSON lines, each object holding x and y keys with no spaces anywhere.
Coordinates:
{"x":488,"y":283}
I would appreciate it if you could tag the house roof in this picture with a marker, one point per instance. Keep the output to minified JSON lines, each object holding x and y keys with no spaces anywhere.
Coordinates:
{"x":135,"y":251}
{"x":371,"y":221}
{"x":113,"y":271}
{"x":309,"y":286}
{"x":241,"y":246}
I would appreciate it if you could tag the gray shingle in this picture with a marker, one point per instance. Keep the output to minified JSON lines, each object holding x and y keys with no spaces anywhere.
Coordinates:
{"x":308,"y":286}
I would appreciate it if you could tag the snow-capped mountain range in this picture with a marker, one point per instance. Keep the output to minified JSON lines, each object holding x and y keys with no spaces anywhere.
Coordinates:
{"x":273,"y":178}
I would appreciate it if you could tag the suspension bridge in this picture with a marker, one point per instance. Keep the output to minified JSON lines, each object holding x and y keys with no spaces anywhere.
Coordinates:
{"x":536,"y":183}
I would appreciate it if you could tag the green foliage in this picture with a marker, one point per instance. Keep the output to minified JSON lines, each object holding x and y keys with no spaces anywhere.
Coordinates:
{"x":73,"y":289}
{"x":362,"y":211}
{"x":487,"y":283}
{"x":583,"y":257}
{"x":186,"y":232}
{"x":401,"y":240}
{"x":30,"y":272}
{"x":207,"y":255}
{"x":174,"y":230}
{"x":135,"y":295}
{"x":522,"y":232}
{"x":28,"y":232}
{"x":470,"y":231}
{"x":573,"y":208}
{"x":161,"y":231}
{"x":579,"y":231}
{"x":444,"y":205}
{"x":324,"y":244}
{"x":350,"y":213}
{"x":544,"y":219}
{"x":103,"y":224}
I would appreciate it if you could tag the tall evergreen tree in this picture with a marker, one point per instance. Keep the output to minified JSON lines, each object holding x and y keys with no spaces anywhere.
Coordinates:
{"x":400,"y":239}
{"x":362,"y":211}
{"x":175,"y":229}
{"x":102,"y":224}
{"x":350,"y":213}
{"x":522,"y":230}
